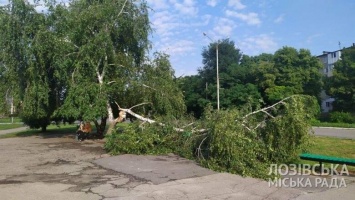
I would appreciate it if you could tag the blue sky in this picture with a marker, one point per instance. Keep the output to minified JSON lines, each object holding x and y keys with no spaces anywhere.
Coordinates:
{"x":256,"y":26}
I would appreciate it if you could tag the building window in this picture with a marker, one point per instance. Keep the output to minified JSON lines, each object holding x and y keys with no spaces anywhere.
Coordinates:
{"x":327,"y":104}
{"x":334,"y":54}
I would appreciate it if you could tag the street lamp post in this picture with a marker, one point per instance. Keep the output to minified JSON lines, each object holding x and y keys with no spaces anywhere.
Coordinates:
{"x":217,"y":74}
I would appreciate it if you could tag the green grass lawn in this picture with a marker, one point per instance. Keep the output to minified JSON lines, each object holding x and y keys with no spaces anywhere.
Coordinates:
{"x":330,"y":124}
{"x":51,"y":130}
{"x":343,"y":148}
{"x":10,"y":126}
{"x":9,"y":120}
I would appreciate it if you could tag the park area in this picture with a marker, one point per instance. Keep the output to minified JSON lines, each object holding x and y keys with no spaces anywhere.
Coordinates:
{"x":90,"y":110}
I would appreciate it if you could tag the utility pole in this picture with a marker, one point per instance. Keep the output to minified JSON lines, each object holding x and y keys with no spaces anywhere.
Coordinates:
{"x":217,"y":73}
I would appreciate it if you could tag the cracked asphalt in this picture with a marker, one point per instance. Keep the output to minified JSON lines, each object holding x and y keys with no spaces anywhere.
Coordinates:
{"x":58,"y":167}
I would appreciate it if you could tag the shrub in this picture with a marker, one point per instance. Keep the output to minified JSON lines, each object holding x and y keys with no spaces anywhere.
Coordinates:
{"x":341,"y":117}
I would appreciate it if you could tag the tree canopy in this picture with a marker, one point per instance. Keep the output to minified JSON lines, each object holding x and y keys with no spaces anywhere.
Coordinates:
{"x":255,"y":80}
{"x":82,"y":60}
{"x":341,"y":85}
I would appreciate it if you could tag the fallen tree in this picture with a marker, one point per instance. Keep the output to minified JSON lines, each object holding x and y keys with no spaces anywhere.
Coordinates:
{"x":237,"y":140}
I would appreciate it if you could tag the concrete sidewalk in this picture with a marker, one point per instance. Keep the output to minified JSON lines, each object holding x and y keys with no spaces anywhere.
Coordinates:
{"x":13,"y":130}
{"x":59,"y":168}
{"x":172,"y":177}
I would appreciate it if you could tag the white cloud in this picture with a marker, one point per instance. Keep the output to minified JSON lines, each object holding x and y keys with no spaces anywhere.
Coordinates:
{"x":186,"y":7}
{"x":178,"y":47}
{"x":164,"y":23}
{"x":250,"y":18}
{"x":158,"y":4}
{"x":236,"y":4}
{"x":279,"y":19}
{"x":224,"y":27}
{"x":212,"y":3}
{"x":255,"y":45}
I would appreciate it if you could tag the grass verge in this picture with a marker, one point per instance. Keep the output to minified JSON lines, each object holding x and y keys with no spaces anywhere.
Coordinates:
{"x":51,"y":130}
{"x":9,"y":120}
{"x":10,"y":126}
{"x":331,"y":124}
{"x":329,"y":146}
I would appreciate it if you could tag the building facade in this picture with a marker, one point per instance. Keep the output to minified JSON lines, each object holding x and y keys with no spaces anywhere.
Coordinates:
{"x":328,"y":59}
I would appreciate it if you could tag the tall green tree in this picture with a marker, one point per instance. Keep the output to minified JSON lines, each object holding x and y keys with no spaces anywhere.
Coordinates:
{"x":291,"y":72}
{"x":109,"y":40}
{"x":16,"y":35}
{"x":109,"y":66}
{"x":228,"y":57}
{"x":28,"y":48}
{"x":237,"y":80}
{"x":341,"y":85}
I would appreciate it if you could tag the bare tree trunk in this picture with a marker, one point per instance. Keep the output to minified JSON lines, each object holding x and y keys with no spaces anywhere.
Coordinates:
{"x":111,"y":127}
{"x":111,"y":119}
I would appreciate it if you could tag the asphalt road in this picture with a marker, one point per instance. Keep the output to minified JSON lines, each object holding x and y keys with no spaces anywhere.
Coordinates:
{"x":335,"y":132}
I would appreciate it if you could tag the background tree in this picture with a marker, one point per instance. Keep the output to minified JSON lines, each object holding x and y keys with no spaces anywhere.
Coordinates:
{"x":290,"y":72}
{"x":199,"y":93}
{"x":14,"y":19}
{"x":341,"y":85}
{"x":27,"y":56}
{"x":196,"y":97}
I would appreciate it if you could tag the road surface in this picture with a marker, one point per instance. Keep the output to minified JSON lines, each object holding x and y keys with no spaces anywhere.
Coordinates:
{"x":348,"y":133}
{"x":14,"y":130}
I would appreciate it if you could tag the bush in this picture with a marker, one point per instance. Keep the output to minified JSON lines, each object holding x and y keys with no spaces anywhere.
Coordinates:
{"x":341,"y":117}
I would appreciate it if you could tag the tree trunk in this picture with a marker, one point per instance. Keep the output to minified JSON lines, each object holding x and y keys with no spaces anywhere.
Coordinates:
{"x":43,"y":128}
{"x":111,"y":119}
{"x":100,"y":128}
{"x":111,"y":126}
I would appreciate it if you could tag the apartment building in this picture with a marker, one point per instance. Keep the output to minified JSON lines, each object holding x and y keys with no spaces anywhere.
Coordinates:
{"x":328,"y":59}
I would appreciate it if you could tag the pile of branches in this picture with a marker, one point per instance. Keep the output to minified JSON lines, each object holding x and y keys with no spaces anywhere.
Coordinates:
{"x":237,"y":140}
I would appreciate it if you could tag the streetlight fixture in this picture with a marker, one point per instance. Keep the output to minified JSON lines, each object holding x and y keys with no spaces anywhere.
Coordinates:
{"x":217,"y":43}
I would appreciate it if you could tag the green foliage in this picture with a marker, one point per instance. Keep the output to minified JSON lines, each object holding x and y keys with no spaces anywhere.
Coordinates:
{"x":277,"y":93}
{"x":341,"y":117}
{"x":234,"y":140}
{"x":267,"y":78}
{"x":35,"y":107}
{"x":149,"y":139}
{"x":76,"y":61}
{"x":231,"y":148}
{"x":159,"y":87}
{"x":341,"y":85}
